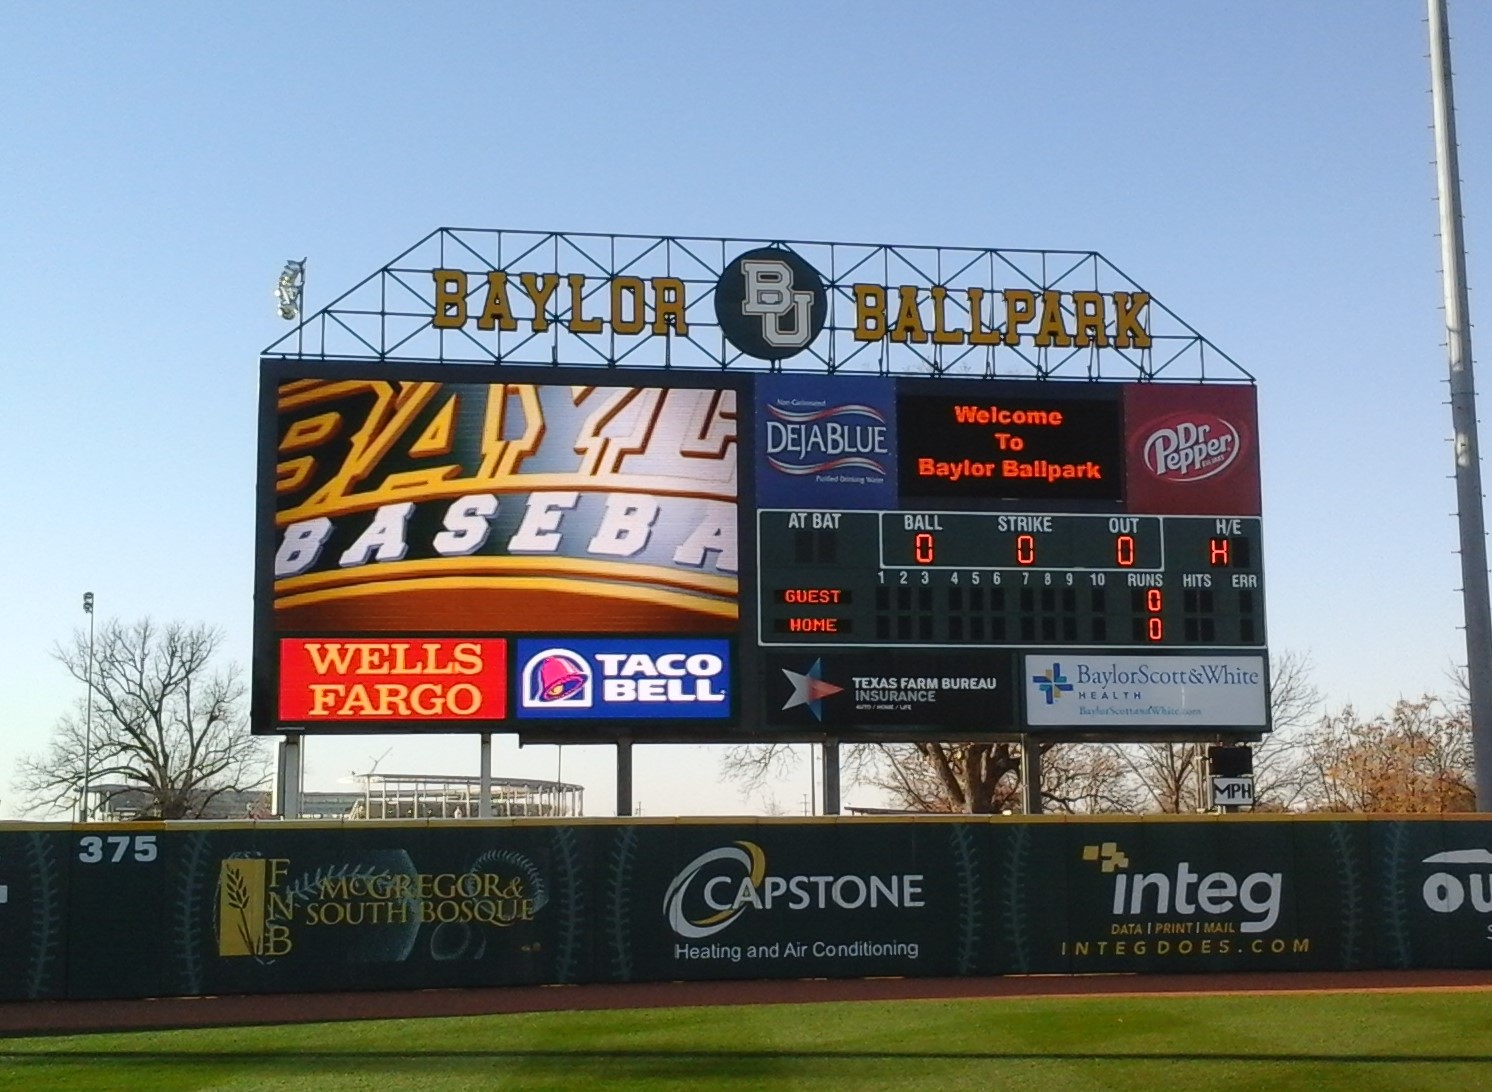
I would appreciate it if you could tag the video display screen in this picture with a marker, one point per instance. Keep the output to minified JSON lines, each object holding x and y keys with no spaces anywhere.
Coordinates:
{"x":583,"y":554}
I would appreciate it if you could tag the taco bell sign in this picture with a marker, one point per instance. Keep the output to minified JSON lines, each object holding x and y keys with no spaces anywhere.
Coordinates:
{"x":619,"y":678}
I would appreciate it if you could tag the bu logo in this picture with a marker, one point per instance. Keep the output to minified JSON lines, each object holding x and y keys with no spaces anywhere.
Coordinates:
{"x":769,"y":294}
{"x":770,"y":303}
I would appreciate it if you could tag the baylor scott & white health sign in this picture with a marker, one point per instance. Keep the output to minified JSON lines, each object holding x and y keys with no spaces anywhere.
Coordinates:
{"x":1104,"y":691}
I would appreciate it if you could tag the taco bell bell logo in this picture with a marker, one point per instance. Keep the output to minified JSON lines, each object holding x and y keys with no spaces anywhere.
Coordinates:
{"x":557,"y":679}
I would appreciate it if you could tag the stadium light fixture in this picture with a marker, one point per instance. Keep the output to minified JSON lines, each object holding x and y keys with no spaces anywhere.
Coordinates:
{"x":288,"y":290}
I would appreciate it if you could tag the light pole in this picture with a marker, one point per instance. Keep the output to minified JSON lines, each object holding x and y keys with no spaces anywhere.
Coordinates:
{"x":87,"y":711}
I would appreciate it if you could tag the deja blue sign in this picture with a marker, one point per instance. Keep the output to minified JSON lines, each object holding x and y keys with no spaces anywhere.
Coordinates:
{"x":825,"y":442}
{"x":620,"y":678}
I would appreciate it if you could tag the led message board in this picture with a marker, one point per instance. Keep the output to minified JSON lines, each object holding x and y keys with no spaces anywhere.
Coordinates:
{"x":590,"y":555}
{"x":441,"y":551}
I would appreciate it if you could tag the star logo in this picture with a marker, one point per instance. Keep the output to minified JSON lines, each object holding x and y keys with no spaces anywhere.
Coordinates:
{"x":810,"y":689}
{"x":1052,"y":683}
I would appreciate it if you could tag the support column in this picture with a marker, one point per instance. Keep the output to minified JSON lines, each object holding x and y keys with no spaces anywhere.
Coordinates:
{"x":624,"y":777}
{"x":831,"y":777}
{"x":484,"y":779}
{"x":288,"y":778}
{"x":1031,"y":775}
{"x":1472,"y":519}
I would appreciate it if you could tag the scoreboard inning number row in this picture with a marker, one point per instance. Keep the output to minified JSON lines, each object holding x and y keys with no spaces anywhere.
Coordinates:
{"x":997,"y":579}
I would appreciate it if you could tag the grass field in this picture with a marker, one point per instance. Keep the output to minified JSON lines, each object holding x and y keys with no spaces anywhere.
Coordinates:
{"x":1364,"y":1042}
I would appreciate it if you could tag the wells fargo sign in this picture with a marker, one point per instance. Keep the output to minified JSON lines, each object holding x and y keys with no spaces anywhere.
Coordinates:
{"x":419,"y":679}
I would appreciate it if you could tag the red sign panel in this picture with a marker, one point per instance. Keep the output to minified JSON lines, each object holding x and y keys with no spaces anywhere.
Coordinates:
{"x":1193,"y":449}
{"x":392,"y":679}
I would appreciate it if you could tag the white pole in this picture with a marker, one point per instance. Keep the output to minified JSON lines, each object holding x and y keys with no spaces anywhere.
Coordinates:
{"x":1474,"y":589}
{"x":87,"y":714}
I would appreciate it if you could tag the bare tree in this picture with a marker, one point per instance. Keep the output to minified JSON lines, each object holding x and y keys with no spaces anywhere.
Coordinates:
{"x":977,"y":778}
{"x":1086,"y":779}
{"x":164,"y":722}
{"x":967,"y":778}
{"x":1294,"y":707}
{"x":1416,"y":759}
{"x":1170,"y":777}
{"x":954,"y":778}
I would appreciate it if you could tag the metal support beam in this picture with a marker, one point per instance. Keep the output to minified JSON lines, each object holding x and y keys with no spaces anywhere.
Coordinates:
{"x":1031,"y":775}
{"x":831,"y":777}
{"x":624,"y":777}
{"x":288,"y":778}
{"x":484,"y":779}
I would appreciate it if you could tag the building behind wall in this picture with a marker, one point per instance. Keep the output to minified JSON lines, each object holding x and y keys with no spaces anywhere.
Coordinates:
{"x":377,"y":796}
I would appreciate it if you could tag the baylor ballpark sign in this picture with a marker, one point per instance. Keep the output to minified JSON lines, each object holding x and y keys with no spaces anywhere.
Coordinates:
{"x":772,"y":304}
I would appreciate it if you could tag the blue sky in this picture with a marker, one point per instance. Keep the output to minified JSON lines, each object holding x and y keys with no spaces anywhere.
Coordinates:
{"x":1264,"y":169}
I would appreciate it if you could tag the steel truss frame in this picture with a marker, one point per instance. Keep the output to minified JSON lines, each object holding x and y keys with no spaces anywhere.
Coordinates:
{"x":388,"y":315}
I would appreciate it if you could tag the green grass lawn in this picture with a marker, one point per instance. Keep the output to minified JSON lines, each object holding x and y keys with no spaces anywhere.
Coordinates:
{"x":1359,"y":1041}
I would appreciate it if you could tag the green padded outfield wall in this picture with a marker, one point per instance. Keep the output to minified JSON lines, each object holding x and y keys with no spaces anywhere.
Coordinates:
{"x":141,"y":910}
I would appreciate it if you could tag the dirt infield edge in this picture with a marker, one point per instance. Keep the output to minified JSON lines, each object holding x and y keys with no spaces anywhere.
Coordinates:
{"x":19,"y":1018}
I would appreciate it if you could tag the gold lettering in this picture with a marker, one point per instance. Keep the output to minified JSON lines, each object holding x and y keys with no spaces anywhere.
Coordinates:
{"x":1020,"y":309}
{"x":281,"y":907}
{"x":468,"y":657}
{"x":440,"y":435}
{"x":668,"y":306}
{"x":539,"y":290}
{"x":941,"y":335}
{"x":311,"y":432}
{"x":579,"y":324}
{"x":450,"y":299}
{"x":1129,"y":327}
{"x":1088,"y":328}
{"x":373,"y":658}
{"x":496,"y":312}
{"x":870,"y":312}
{"x":1052,"y":331}
{"x":908,"y":325}
{"x":276,"y":940}
{"x":620,"y":288}
{"x":978,"y":335}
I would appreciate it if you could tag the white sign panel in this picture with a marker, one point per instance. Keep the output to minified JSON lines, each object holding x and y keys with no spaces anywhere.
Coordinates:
{"x":1233,"y":791}
{"x":1089,"y":691}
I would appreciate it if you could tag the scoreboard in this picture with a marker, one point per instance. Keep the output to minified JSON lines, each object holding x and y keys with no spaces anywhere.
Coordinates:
{"x":972,"y":557}
{"x":1009,"y":579}
{"x":582,"y":555}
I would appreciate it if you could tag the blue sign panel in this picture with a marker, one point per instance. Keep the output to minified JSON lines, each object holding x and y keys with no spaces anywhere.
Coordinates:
{"x":825,"y":442}
{"x":591,"y":678}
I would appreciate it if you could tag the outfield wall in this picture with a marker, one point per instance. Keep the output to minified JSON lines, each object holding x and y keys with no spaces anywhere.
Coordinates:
{"x":160,"y":909}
